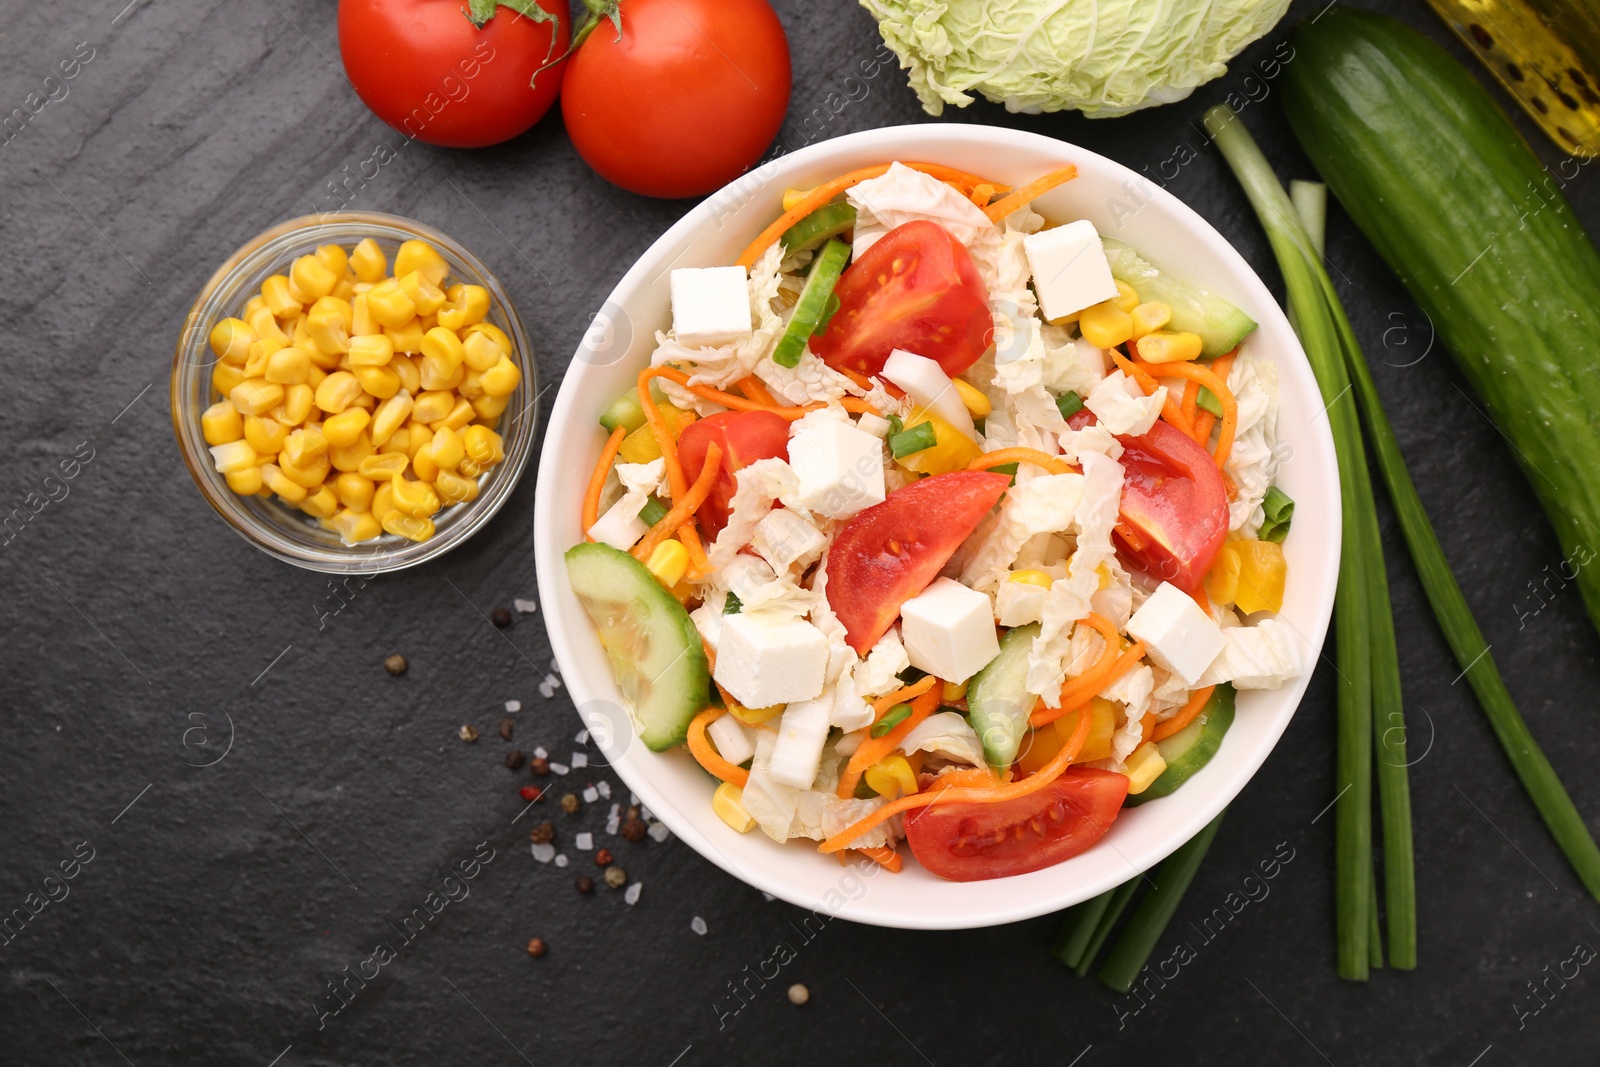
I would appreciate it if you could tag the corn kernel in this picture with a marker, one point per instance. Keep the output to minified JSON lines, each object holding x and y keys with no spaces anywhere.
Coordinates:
{"x":381,"y":382}
{"x":1167,"y":346}
{"x":411,"y":527}
{"x":417,"y":438}
{"x":501,"y":379}
{"x":432,"y":406}
{"x":1144,"y":767}
{"x":354,"y":527}
{"x":420,"y":256}
{"x":350,"y":457}
{"x":410,"y":375}
{"x":384,"y":465}
{"x":399,"y":441}
{"x":224,"y":376}
{"x":320,"y":503}
{"x":233,"y":456}
{"x":297,"y":404}
{"x":406,"y":338}
{"x":265,"y":327}
{"x":275,"y":295}
{"x":287,"y":366}
{"x":309,"y":280}
{"x":1032,"y":577}
{"x":669,"y":561}
{"x":950,"y":692}
{"x":492,"y":332}
{"x":1105,"y":325}
{"x":251,"y":306}
{"x":754,"y":716}
{"x":444,"y":349}
{"x":353,"y":490}
{"x":265,"y":435}
{"x":332,"y":257}
{"x":891,"y":777}
{"x":274,"y":479}
{"x":471,"y":385}
{"x":459,"y":418}
{"x":446,"y":449}
{"x":977,"y":404}
{"x":1149,"y":317}
{"x":432,"y":375}
{"x":480,"y":351}
{"x":307,"y":450}
{"x":382,"y":501}
{"x":362,"y":324}
{"x":464,"y":305}
{"x":343,"y":429}
{"x":371,"y":350}
{"x":221,"y":423}
{"x":423,"y":466}
{"x":793,"y":197}
{"x":470,"y":468}
{"x":390,"y":416}
{"x":231,"y":339}
{"x":728,"y":803}
{"x":368,"y":261}
{"x":255,"y":396}
{"x":414,"y":498}
{"x":1127,"y":297}
{"x":389,"y":304}
{"x":246,"y":482}
{"x":328,"y":324}
{"x":427,"y":297}
{"x":337,"y":391}
{"x":454,"y":489}
{"x":483,"y":445}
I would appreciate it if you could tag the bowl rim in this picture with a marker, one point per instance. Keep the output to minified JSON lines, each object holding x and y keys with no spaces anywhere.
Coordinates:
{"x":889,"y":143}
{"x":378,"y":556}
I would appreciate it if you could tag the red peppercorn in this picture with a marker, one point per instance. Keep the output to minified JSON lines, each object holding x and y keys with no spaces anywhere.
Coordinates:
{"x":537,"y":947}
{"x":603,"y":858}
{"x":634,"y":830}
{"x":530,"y":793}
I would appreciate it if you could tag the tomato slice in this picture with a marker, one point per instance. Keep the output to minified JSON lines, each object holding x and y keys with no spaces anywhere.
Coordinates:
{"x":918,"y":289}
{"x":1174,"y":506}
{"x":889,"y":553}
{"x":744,"y":437}
{"x":967,"y":842}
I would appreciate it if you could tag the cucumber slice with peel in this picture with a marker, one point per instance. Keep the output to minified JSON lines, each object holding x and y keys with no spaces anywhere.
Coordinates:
{"x":624,"y":411}
{"x":1191,"y":747}
{"x":1221,"y":326}
{"x":654,"y":648}
{"x":829,"y":220}
{"x":998,"y":701}
{"x":816,"y":304}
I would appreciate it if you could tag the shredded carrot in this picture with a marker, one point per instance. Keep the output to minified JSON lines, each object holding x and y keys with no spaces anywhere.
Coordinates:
{"x":830,"y":189}
{"x":956,"y":794}
{"x":1207,"y":378}
{"x":689,"y":535}
{"x":886,"y":858}
{"x":982,"y":194}
{"x":867,"y":383}
{"x":969,"y":777}
{"x":1078,"y":691}
{"x":1053,"y":464}
{"x":597,"y":480}
{"x":1019,"y":198}
{"x":683,"y":508}
{"x":1197,"y":700}
{"x":1146,"y":725}
{"x":706,"y":754}
{"x":737,"y":403}
{"x":923,"y":702}
{"x":756,"y":390}
{"x":1171,"y":410}
{"x":1204,"y":421}
{"x":1191,"y":400}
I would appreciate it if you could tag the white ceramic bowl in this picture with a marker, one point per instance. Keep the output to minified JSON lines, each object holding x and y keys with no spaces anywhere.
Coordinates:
{"x":617,"y":347}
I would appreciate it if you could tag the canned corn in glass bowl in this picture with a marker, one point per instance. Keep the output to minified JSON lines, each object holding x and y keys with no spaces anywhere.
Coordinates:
{"x":427,"y":394}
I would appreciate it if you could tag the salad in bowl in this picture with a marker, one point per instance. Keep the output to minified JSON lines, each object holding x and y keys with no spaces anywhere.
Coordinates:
{"x":939,"y":525}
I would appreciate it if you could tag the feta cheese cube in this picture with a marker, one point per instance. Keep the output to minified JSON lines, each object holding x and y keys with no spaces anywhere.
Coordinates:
{"x":948,"y":630}
{"x":839,"y":466}
{"x":620,"y":527}
{"x":1121,"y":406}
{"x":783,"y":539}
{"x":1178,"y":635}
{"x":876,"y":425}
{"x":768,"y":657}
{"x":802,"y":731}
{"x":710,"y":306}
{"x":1070,"y":269}
{"x":733,"y":739}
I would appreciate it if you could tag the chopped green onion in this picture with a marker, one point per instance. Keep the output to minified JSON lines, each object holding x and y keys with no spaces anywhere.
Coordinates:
{"x":1274,"y":532}
{"x":891,"y":718}
{"x":1207,"y":401}
{"x":1108,"y":921}
{"x":896,"y":424}
{"x":1069,"y":404}
{"x":816,"y":303}
{"x":733,"y":605}
{"x":652,"y":512}
{"x":1278,"y":505}
{"x":1149,"y":921}
{"x":1005,"y":468}
{"x":1078,"y":924}
{"x":913,"y":440}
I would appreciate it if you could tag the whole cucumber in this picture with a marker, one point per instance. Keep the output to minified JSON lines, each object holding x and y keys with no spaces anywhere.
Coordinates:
{"x":1476,"y":228}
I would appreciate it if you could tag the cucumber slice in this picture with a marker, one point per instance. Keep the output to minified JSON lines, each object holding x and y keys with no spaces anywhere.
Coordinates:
{"x":998,"y":701}
{"x":625,"y":411}
{"x":1221,"y":326}
{"x":1191,"y":747}
{"x":655,"y":651}
{"x":829,"y":220}
{"x":816,"y":304}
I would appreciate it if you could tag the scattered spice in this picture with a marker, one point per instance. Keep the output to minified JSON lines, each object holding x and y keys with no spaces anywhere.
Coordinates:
{"x":468,"y":733}
{"x":395,"y":665}
{"x":501,"y":617}
{"x":634,"y":829}
{"x":584,"y":883}
{"x":530,"y":793}
{"x":616,"y":877}
{"x":506,"y":726}
{"x":516,"y":758}
{"x":603,"y":858}
{"x":537,"y":947}
{"x":570,"y":804}
{"x":542,"y":834}
{"x":540,"y":766}
{"x":799,"y":994}
{"x":633,"y":811}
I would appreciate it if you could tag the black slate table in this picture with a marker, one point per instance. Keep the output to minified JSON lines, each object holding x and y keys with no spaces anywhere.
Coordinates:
{"x":217,"y":902}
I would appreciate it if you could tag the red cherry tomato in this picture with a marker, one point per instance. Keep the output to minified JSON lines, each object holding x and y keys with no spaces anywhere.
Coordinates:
{"x":889,"y":553}
{"x":1174,"y":506}
{"x":683,"y":99}
{"x":966,"y":842}
{"x":917,"y":289}
{"x":426,"y":70}
{"x":744,"y":437}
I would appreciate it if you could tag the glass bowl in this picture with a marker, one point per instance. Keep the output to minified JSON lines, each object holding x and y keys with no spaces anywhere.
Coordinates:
{"x":271,"y":525}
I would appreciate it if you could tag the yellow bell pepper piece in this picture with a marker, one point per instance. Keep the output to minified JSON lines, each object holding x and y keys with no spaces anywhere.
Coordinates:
{"x":952,"y":450}
{"x":1262,"y":572}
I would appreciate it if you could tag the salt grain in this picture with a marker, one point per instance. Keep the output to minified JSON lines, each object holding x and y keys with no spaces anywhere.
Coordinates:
{"x":544,"y":853}
{"x":605,"y":791}
{"x":540,"y":752}
{"x":698,"y":925}
{"x":769,"y":896}
{"x":631,"y":894}
{"x":560,"y":768}
{"x":561,"y":860}
{"x":613,"y":824}
{"x":580,"y":760}
{"x":525,"y":607}
{"x":582,"y":738}
{"x":584,"y":841}
{"x":591,"y":795}
{"x":644,"y":812}
{"x":513,"y":705}
{"x":659,"y":832}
